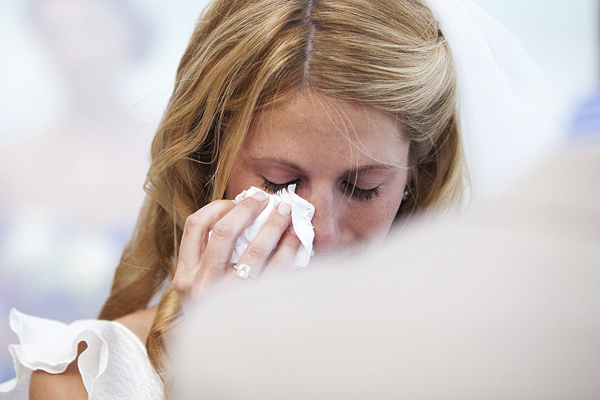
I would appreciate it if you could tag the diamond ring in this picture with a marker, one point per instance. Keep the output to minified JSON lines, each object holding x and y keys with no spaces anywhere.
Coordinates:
{"x":243,"y":271}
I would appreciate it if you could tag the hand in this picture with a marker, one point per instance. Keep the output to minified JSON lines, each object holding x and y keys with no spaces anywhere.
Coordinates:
{"x":204,"y":263}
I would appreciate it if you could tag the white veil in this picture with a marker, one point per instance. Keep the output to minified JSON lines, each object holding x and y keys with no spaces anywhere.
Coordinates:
{"x":510,"y":115}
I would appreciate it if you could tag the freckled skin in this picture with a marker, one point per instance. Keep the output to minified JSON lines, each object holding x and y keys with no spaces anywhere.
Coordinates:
{"x":305,"y":140}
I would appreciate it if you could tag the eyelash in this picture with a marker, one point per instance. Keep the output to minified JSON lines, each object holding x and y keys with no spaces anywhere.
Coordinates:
{"x":355,"y":192}
{"x":277,"y":187}
{"x":360,"y":194}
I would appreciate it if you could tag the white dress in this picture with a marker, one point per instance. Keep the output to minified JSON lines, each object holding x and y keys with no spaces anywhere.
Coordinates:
{"x":114,"y":365}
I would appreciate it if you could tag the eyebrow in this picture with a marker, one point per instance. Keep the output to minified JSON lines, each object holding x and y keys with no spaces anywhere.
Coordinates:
{"x":359,"y":169}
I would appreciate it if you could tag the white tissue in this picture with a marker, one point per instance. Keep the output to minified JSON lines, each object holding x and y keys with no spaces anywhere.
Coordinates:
{"x":302,"y":214}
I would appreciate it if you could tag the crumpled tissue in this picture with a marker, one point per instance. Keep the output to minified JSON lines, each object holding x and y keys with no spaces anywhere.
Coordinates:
{"x":302,"y":214}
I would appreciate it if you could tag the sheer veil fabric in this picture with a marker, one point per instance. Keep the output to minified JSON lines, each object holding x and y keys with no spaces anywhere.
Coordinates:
{"x":510,"y":115}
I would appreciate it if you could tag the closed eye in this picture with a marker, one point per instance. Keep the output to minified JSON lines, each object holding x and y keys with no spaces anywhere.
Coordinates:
{"x":347,"y":188}
{"x":276,"y":187}
{"x":358,"y":193}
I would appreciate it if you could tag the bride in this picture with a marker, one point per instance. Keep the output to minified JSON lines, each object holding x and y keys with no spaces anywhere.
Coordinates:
{"x":357,"y":103}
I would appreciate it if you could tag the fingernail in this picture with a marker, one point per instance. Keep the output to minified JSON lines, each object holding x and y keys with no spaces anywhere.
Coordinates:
{"x":284,"y":208}
{"x":260,"y":196}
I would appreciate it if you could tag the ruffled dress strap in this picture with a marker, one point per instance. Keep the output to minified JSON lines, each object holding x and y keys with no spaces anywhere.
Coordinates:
{"x":114,"y":365}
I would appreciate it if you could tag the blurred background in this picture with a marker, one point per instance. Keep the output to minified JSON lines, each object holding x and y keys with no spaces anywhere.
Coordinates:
{"x":83,"y":84}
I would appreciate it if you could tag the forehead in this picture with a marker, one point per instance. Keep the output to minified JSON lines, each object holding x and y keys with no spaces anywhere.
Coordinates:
{"x":313,"y":123}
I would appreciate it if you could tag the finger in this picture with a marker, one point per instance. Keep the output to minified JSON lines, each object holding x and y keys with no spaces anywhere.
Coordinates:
{"x":197,"y":226}
{"x":226,"y":231}
{"x":281,"y":261}
{"x":193,"y":242}
{"x":263,"y":245}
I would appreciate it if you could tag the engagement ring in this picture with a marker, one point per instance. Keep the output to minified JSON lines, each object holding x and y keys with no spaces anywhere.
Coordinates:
{"x":243,"y":271}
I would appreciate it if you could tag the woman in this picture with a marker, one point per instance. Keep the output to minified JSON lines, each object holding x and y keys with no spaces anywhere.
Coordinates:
{"x":353,"y":101}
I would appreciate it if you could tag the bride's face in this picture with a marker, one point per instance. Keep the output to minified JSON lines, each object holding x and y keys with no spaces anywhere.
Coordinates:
{"x":352,"y":168}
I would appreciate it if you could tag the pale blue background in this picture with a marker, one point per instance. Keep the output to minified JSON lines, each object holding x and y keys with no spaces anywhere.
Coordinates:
{"x":58,"y":269}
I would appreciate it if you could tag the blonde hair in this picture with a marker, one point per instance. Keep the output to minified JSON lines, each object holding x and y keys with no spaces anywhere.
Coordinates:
{"x":245,"y":55}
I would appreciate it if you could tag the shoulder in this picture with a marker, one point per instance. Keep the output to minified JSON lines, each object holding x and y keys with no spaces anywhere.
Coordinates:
{"x":67,"y":385}
{"x":70,"y":383}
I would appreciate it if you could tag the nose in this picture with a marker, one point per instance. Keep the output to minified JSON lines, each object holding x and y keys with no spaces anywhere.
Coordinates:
{"x":326,"y":222}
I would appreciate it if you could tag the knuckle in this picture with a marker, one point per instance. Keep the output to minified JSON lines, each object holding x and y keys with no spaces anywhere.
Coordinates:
{"x":277,"y":221}
{"x":193,"y":221}
{"x":222,"y":230}
{"x":256,"y":250}
{"x":280,"y":219}
{"x":251,"y":204}
{"x":180,"y":286}
{"x":277,"y":264}
{"x":290,"y":240}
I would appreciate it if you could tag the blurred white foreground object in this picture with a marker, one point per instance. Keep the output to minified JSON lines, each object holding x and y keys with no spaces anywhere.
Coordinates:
{"x":501,"y":303}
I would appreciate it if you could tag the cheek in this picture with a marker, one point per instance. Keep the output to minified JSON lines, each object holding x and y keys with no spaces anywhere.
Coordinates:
{"x":370,"y":219}
{"x":239,"y":180}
